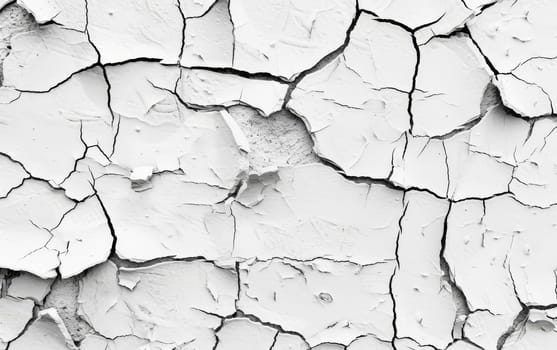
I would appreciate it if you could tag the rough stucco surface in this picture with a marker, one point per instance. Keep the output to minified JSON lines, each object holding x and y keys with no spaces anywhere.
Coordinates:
{"x":278,"y":174}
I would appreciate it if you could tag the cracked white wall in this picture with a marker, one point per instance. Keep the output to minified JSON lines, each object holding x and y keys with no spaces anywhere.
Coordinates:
{"x":278,"y":174}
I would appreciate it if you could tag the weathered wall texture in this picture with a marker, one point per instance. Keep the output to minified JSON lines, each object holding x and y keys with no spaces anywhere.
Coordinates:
{"x":278,"y":174}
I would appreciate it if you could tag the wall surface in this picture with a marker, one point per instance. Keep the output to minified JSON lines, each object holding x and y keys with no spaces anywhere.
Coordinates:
{"x":278,"y":174}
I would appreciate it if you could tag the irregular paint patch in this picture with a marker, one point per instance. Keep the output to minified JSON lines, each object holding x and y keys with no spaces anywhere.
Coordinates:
{"x":320,"y":299}
{"x":158,"y":308}
{"x":286,"y":214}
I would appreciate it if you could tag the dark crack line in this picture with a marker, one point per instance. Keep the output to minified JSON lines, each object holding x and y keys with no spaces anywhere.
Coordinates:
{"x":519,"y":320}
{"x":324,"y":61}
{"x":400,"y":24}
{"x":108,"y":221}
{"x":240,"y":73}
{"x":535,"y":85}
{"x":490,"y":64}
{"x":233,"y":31}
{"x":66,"y":79}
{"x":448,"y":275}
{"x":183,"y":43}
{"x":396,"y":268}
{"x":413,"y":86}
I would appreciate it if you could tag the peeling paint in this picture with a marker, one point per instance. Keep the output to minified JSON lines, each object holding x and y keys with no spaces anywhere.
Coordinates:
{"x":278,"y":175}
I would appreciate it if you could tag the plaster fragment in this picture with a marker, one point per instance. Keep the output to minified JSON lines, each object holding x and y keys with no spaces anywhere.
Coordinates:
{"x":237,"y":133}
{"x":159,"y":308}
{"x":287,"y":292}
